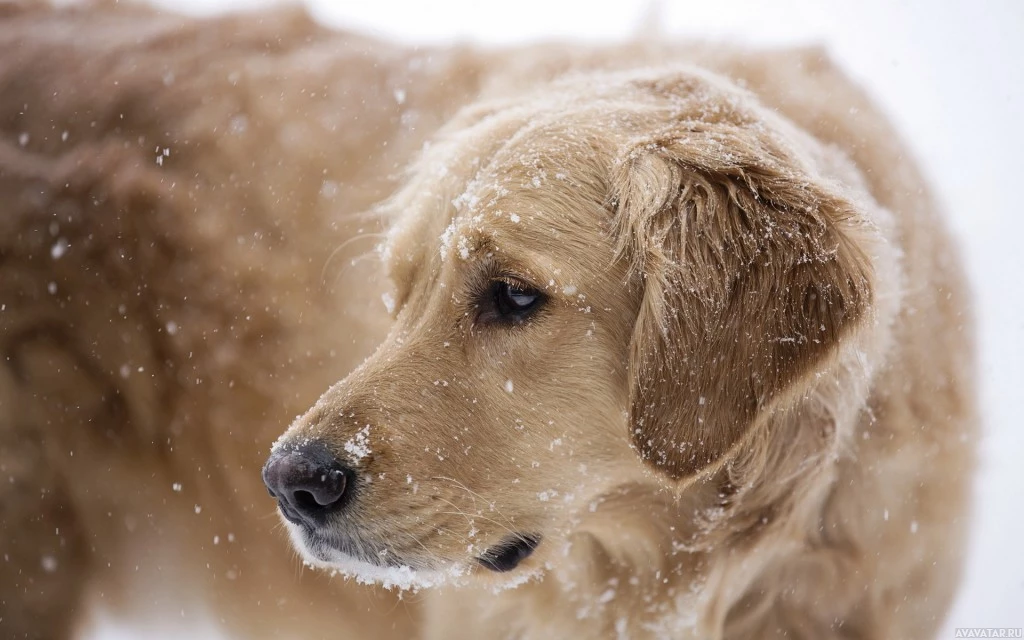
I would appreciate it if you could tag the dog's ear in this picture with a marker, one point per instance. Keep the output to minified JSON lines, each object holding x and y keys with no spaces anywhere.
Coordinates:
{"x":752,"y":276}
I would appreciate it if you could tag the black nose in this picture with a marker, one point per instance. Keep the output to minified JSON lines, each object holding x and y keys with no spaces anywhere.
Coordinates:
{"x":308,"y":482}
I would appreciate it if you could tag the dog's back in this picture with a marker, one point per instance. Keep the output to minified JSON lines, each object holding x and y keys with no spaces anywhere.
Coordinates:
{"x":182,"y":230}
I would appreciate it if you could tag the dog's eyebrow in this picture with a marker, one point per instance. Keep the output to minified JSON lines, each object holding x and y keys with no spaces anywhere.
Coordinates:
{"x":496,"y":258}
{"x":535,"y":268}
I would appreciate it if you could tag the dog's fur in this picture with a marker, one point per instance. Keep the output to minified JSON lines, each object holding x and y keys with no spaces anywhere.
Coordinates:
{"x":744,"y":411}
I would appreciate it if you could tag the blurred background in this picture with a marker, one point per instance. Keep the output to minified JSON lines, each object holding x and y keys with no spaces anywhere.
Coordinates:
{"x":950,"y":73}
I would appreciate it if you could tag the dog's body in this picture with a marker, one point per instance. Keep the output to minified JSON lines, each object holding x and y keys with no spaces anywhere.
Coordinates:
{"x":184,"y":270}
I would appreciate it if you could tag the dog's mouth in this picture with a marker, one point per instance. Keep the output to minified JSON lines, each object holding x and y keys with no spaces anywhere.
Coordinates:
{"x":368,"y":564}
{"x":501,"y":558}
{"x":507,"y":555}
{"x":325,"y":548}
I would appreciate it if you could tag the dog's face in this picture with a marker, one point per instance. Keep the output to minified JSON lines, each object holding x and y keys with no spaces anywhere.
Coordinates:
{"x":607,"y":287}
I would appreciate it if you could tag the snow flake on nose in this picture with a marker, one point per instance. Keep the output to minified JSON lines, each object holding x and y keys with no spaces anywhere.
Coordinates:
{"x":358,"y":445}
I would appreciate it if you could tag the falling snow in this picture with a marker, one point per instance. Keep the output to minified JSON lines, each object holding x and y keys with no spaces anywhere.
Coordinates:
{"x":58,"y":249}
{"x":49,"y":564}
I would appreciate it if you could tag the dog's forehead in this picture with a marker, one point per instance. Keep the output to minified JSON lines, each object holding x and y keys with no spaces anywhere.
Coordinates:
{"x":536,"y":204}
{"x":538,"y":191}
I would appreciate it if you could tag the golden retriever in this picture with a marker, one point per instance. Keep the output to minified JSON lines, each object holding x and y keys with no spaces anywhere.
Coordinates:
{"x":678,"y":344}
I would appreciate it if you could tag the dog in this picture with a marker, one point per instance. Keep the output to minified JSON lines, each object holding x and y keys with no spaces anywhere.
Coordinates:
{"x":647,"y":340}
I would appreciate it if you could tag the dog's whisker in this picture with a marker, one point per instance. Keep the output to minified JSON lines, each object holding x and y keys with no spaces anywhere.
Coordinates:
{"x":417,"y":540}
{"x":347,"y":243}
{"x":368,"y":255}
{"x":458,"y":510}
{"x":474,"y":494}
{"x":471,"y":519}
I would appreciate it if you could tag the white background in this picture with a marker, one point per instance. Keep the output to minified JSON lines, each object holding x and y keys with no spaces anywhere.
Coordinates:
{"x":949,"y":72}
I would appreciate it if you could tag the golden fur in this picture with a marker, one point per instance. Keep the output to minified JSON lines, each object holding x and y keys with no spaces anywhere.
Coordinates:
{"x":745,"y":409}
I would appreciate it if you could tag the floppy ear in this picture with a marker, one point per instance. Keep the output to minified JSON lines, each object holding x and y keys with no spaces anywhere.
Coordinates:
{"x":752,"y":277}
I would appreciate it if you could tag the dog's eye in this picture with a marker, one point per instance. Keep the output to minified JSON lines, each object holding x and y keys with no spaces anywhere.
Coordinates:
{"x":513,"y":298}
{"x":511,"y":301}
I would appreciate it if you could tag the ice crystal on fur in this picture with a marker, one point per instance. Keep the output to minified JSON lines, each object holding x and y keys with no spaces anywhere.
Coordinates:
{"x":446,"y":240}
{"x":463,"y":248}
{"x":358,"y":445}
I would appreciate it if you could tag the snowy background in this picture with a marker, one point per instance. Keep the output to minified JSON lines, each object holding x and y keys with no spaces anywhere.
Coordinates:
{"x":951,"y":75}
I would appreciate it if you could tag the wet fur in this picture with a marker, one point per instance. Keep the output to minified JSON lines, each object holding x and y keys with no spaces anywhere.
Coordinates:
{"x":204,"y":298}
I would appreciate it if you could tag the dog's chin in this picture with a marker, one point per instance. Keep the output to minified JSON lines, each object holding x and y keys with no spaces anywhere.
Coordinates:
{"x":392,"y":571}
{"x":382,"y":568}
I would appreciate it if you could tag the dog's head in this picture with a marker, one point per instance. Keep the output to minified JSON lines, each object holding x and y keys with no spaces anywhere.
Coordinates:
{"x":614,"y":283}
